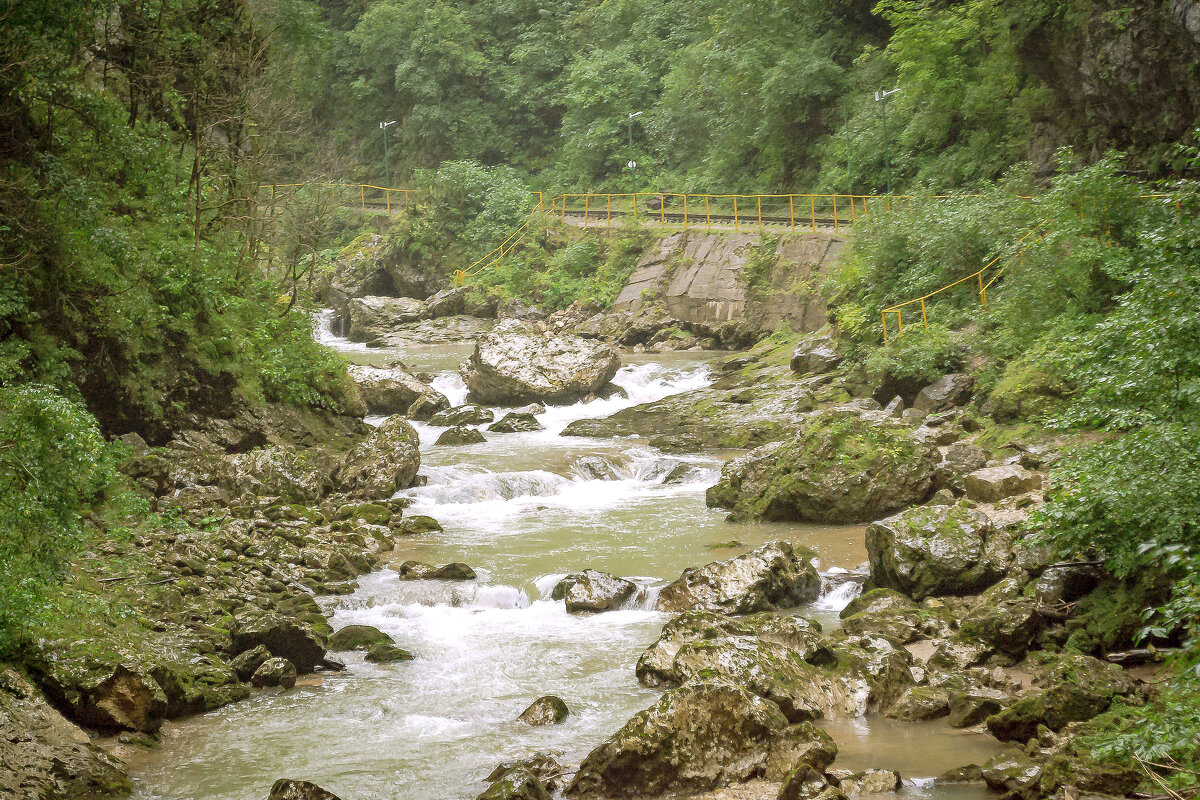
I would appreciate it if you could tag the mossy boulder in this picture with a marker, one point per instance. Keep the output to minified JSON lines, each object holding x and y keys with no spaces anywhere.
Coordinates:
{"x":285,"y":637}
{"x":286,"y":789}
{"x":468,"y":414}
{"x":387,"y":653}
{"x":920,"y":703}
{"x":1076,"y":688}
{"x":936,"y":550}
{"x":416,"y":525}
{"x":840,"y":468}
{"x":696,"y":738}
{"x":1029,"y":389}
{"x":516,"y":422}
{"x":887,"y":613}
{"x":548,"y":710}
{"x":772,"y":577}
{"x":383,"y":464}
{"x":516,"y":783}
{"x":357,"y":637}
{"x":274,"y":673}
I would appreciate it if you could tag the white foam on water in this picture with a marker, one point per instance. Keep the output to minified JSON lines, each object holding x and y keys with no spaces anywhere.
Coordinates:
{"x":839,"y":596}
{"x":323,"y":334}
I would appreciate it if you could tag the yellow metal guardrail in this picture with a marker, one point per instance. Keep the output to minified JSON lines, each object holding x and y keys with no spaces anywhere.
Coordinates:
{"x":367,"y":193}
{"x":749,"y":211}
{"x":898,"y":309}
{"x":497,"y":253}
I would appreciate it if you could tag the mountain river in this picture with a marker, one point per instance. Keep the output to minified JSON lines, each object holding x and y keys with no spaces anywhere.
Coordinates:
{"x":523,"y":509}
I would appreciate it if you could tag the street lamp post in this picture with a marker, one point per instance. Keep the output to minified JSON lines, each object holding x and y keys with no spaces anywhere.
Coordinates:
{"x":881,"y":98}
{"x":387,"y":164}
{"x":632,"y":164}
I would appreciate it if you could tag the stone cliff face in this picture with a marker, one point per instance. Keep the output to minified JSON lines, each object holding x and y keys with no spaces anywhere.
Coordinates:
{"x":1121,"y":75}
{"x":711,"y":278}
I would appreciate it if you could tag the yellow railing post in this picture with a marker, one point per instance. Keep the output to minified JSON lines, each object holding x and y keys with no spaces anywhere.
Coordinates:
{"x":608,"y":212}
{"x":735,"y":219}
{"x":812,"y":199}
{"x":662,"y":210}
{"x":759,"y":213}
{"x":685,"y":211}
{"x":707,"y":215}
{"x":362,"y":196}
{"x":564,"y":211}
{"x":587,"y":202}
{"x":792,"y":211}
{"x":835,"y":219}
{"x":982,"y":293}
{"x":634,"y":196}
{"x":924,"y":319}
{"x":853,"y":215}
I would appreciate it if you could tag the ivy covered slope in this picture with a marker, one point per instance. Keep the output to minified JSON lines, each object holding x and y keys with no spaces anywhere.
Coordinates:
{"x":1091,"y":334}
{"x":140,"y":285}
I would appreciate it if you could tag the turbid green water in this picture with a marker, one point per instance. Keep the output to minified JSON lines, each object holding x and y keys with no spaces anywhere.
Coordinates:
{"x":522,"y":509}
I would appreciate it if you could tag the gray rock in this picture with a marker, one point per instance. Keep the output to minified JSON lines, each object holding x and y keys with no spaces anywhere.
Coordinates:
{"x":274,"y":672}
{"x":372,"y":317}
{"x":513,"y":364}
{"x":393,"y":390}
{"x":590,"y":592}
{"x":1012,"y":773}
{"x":45,"y":757}
{"x":803,"y":783}
{"x":871,"y":781}
{"x":945,"y":392}
{"x":698,"y":737}
{"x":382,"y":465}
{"x":1077,"y":688}
{"x":460,"y":435}
{"x":516,"y":783}
{"x":285,"y":789}
{"x":416,"y":571}
{"x":447,"y":303}
{"x":516,"y":422}
{"x":548,"y":710}
{"x":462,"y":415}
{"x":816,"y":355}
{"x":247,"y":663}
{"x":543,"y":766}
{"x":920,"y":703}
{"x":991,"y":484}
{"x":284,"y":637}
{"x":136,"y":444}
{"x":771,"y":577}
{"x":964,"y":457}
{"x":935,"y":550}
{"x":387,"y":653}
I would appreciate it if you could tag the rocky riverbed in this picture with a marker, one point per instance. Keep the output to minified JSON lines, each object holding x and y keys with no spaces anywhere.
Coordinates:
{"x":722,"y":576}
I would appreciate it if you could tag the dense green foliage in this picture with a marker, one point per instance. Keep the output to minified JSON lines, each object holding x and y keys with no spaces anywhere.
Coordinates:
{"x":53,"y":465}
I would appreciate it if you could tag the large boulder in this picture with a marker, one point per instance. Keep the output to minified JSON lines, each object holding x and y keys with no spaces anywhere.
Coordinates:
{"x":106,"y":695}
{"x":447,"y":303}
{"x":383,"y":464}
{"x":392,"y":390}
{"x":698,"y":737}
{"x":283,"y":636}
{"x":772,"y":577}
{"x":274,"y":673}
{"x":1076,"y":688}
{"x":841,"y":467}
{"x":358,"y":637}
{"x":460,"y":435}
{"x":45,"y":757}
{"x":815,"y":354}
{"x":991,"y":484}
{"x":945,"y":392}
{"x":372,"y":318}
{"x":513,"y":364}
{"x":936,"y":550}
{"x":283,"y":471}
{"x":591,"y":591}
{"x":548,"y":710}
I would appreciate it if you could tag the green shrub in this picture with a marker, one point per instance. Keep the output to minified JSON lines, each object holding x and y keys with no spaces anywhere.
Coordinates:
{"x":53,"y":465}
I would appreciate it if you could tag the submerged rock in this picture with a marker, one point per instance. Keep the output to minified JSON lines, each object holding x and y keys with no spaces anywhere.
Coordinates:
{"x":285,"y":789}
{"x":698,"y":737}
{"x":460,"y":435}
{"x":513,"y":364}
{"x":771,"y":577}
{"x":544,"y":767}
{"x":516,"y":783}
{"x":548,"y":710}
{"x":841,"y":467}
{"x":936,"y":550}
{"x":382,"y":465}
{"x":590,"y":592}
{"x":42,"y":755}
{"x":387,"y":653}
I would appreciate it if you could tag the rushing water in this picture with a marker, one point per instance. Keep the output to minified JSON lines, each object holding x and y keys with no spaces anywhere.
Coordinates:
{"x":522,"y":509}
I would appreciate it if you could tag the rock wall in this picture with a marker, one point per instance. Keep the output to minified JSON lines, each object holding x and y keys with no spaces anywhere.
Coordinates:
{"x":711,"y":278}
